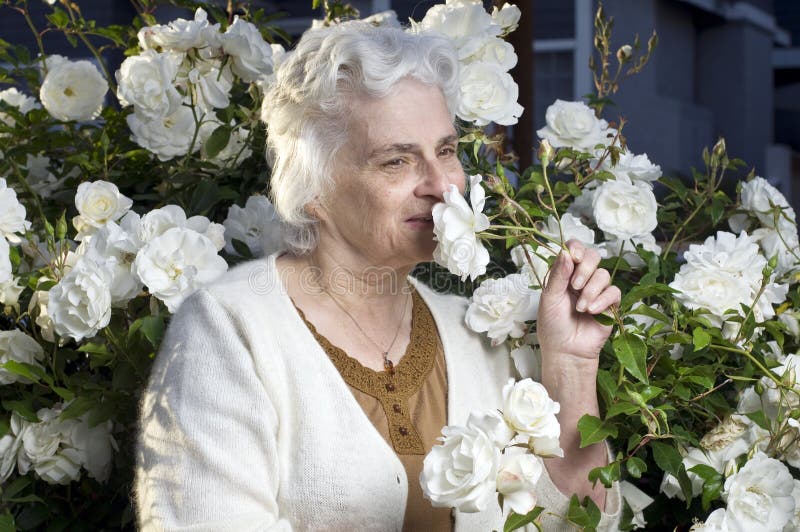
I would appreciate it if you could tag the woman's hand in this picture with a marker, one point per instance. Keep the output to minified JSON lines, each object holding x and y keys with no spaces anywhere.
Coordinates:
{"x":570,"y":339}
{"x":575,"y":291}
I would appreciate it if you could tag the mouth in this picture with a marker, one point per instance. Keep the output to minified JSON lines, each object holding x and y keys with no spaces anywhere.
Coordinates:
{"x":421,"y":221}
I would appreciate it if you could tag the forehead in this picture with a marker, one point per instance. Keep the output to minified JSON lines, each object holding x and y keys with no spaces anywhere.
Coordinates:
{"x":412,"y":113}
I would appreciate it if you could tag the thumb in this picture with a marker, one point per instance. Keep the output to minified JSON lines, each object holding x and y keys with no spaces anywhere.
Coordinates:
{"x":560,"y":273}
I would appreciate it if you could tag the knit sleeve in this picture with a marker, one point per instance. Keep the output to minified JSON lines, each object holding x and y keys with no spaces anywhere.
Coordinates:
{"x":207,"y":457}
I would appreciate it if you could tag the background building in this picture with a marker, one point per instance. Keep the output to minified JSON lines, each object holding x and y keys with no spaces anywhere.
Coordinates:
{"x":723,"y":68}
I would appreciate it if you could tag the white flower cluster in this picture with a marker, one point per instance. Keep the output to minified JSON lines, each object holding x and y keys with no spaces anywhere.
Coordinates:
{"x":625,"y":207}
{"x":257,"y":225}
{"x":724,"y":273}
{"x":57,"y":449}
{"x":777,"y":234}
{"x":186,"y":70}
{"x":16,"y":99}
{"x":477,"y":461}
{"x":12,"y":225}
{"x":121,"y":252}
{"x":488,"y":92}
{"x":456,"y":225}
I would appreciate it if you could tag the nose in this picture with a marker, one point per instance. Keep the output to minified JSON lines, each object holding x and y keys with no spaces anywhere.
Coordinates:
{"x":437,"y":178}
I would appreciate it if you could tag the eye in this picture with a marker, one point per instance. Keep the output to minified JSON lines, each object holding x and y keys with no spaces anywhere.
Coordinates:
{"x":394,"y":163}
{"x":447,"y":151}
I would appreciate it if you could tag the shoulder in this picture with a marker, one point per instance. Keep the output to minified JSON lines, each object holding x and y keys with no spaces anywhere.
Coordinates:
{"x":245,"y":284}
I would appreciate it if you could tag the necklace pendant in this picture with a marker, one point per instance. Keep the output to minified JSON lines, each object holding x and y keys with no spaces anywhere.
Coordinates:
{"x":388,"y":366}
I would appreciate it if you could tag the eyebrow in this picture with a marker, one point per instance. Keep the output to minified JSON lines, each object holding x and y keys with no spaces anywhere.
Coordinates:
{"x":406,"y":148}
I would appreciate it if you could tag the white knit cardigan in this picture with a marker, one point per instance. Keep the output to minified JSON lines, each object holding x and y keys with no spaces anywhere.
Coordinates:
{"x":247,"y":425}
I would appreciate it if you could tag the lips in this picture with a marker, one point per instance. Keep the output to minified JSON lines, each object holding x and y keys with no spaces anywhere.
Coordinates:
{"x":424,"y":217}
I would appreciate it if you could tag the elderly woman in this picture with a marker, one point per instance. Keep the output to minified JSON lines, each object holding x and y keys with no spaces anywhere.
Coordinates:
{"x":302,"y":390}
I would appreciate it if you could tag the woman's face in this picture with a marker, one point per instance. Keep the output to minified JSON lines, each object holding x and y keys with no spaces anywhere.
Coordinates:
{"x":399,"y":159}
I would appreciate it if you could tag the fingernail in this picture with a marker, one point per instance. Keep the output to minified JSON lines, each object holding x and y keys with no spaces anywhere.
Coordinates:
{"x":594,"y":307}
{"x":577,"y":254}
{"x":581,"y":306}
{"x":577,"y":283}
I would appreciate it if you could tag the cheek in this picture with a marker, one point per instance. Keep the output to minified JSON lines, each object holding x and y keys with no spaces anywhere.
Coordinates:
{"x":458,"y":178}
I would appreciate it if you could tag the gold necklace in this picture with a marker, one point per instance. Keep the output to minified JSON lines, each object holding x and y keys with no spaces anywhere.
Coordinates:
{"x":388,"y":366}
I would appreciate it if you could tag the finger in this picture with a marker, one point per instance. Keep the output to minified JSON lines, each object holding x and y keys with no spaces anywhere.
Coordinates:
{"x":576,"y":249}
{"x":560,"y":273}
{"x":585,"y":268}
{"x":608,"y":298}
{"x":598,"y":282}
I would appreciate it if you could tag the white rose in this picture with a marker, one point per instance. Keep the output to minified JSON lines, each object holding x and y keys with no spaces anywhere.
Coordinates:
{"x":794,"y":522}
{"x":488,"y":94}
{"x":633,"y":167}
{"x":499,"y":52}
{"x":176,"y":263}
{"x":571,"y":228}
{"x":462,"y":471}
{"x":736,"y":255}
{"x":39,"y":176}
{"x":782,"y":243}
{"x":213,"y":231}
{"x":17,"y":346}
{"x":74,"y":90}
{"x":146,"y":82}
{"x":532,"y":263}
{"x":9,"y":447}
{"x":531,"y":412}
{"x":766,"y":202}
{"x":670,"y":486}
{"x":207,"y":83}
{"x":61,"y":468}
{"x":637,"y":500}
{"x":10,"y":290}
{"x":500,"y":307}
{"x":12,"y":214}
{"x":574,"y":125}
{"x":507,"y":17}
{"x":39,"y":441}
{"x":98,"y":203}
{"x":257,"y":225}
{"x":466,"y":23}
{"x":528,"y":361}
{"x":251,"y":55}
{"x":455,"y":228}
{"x":166,"y":137}
{"x":158,"y":221}
{"x":715,"y":522}
{"x":759,"y":495}
{"x":625,"y":210}
{"x":38,"y":307}
{"x":80,"y":305}
{"x":16,"y":99}
{"x":93,"y":446}
{"x":493,"y":425}
{"x":516,"y":481}
{"x":112,"y":242}
{"x":791,"y":319}
{"x":715,"y":291}
{"x":581,"y":206}
{"x":6,"y":274}
{"x":729,"y":439}
{"x":181,"y":34}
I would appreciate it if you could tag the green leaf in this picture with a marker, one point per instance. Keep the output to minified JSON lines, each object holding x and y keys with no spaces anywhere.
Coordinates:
{"x":666,"y":457}
{"x":607,"y":475}
{"x":23,"y":407}
{"x":217,"y":141}
{"x":621,"y":407}
{"x":607,"y":385}
{"x":636,"y":466}
{"x":63,"y":393}
{"x":631,"y":352}
{"x":638,"y":293}
{"x":759,"y":418}
{"x":586,"y":516}
{"x":153,"y":329}
{"x":77,"y":408}
{"x":516,"y":520}
{"x":22,"y":369}
{"x":700,"y":338}
{"x":7,"y":523}
{"x":5,"y":427}
{"x":16,"y":486}
{"x":595,"y":430}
